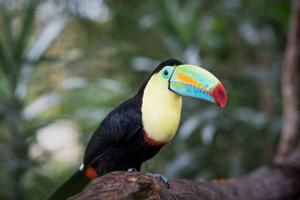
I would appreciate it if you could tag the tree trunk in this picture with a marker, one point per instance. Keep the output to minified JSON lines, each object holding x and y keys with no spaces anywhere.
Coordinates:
{"x":289,"y":82}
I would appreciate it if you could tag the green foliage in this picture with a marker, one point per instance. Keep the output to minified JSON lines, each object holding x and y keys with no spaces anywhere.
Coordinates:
{"x":93,"y":64}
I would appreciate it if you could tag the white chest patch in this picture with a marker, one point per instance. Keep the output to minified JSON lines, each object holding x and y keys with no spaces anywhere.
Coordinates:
{"x":161,"y":110}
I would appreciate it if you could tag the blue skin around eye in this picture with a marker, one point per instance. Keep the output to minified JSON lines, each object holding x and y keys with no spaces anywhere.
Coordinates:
{"x":170,"y":70}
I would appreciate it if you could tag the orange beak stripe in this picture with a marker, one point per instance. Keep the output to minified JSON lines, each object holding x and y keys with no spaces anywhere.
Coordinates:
{"x":189,"y":81}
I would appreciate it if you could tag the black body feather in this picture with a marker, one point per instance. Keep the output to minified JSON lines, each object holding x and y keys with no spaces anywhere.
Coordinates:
{"x":118,"y":143}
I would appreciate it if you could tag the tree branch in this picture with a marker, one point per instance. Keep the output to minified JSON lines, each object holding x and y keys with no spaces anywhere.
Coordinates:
{"x":276,"y":182}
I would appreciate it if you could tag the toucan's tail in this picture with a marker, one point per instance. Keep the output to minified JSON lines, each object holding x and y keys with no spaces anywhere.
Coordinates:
{"x":72,"y":186}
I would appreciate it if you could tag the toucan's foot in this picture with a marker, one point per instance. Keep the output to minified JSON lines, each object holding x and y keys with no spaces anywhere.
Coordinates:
{"x":160,"y":177}
{"x":132,"y":170}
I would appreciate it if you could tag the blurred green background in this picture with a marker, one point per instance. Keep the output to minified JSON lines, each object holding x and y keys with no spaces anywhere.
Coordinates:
{"x":66,"y":63}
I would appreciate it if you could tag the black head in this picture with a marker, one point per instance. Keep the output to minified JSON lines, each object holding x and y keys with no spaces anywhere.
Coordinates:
{"x":169,"y":62}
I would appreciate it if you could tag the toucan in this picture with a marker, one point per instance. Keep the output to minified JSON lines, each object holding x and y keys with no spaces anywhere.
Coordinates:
{"x":139,"y":127}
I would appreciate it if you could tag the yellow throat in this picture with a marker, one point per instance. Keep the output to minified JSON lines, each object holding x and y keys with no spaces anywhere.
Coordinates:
{"x":161,"y":110}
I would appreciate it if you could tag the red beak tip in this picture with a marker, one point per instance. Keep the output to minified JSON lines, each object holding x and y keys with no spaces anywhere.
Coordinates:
{"x":220,"y":96}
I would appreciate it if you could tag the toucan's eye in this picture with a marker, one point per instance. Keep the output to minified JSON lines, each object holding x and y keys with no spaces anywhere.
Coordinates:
{"x":166,"y":72}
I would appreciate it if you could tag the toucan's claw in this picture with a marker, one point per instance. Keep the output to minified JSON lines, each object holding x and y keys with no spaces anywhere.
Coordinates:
{"x":132,"y":170}
{"x":160,"y":177}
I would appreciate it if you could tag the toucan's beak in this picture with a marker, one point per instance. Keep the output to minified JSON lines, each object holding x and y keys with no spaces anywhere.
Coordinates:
{"x":194,"y":81}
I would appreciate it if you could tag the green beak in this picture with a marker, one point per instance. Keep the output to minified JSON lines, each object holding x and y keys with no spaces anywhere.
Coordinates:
{"x":194,"y":81}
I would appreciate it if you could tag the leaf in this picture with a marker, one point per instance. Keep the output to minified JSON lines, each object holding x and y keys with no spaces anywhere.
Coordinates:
{"x":27,"y":26}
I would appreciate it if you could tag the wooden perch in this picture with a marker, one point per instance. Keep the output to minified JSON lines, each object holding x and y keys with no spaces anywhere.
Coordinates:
{"x":276,"y":182}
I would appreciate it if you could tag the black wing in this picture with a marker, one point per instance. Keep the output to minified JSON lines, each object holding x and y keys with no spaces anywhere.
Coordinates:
{"x":116,"y":129}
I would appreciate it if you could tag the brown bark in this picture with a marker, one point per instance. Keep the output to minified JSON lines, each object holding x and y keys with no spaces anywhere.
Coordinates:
{"x":289,"y":78}
{"x":276,"y":182}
